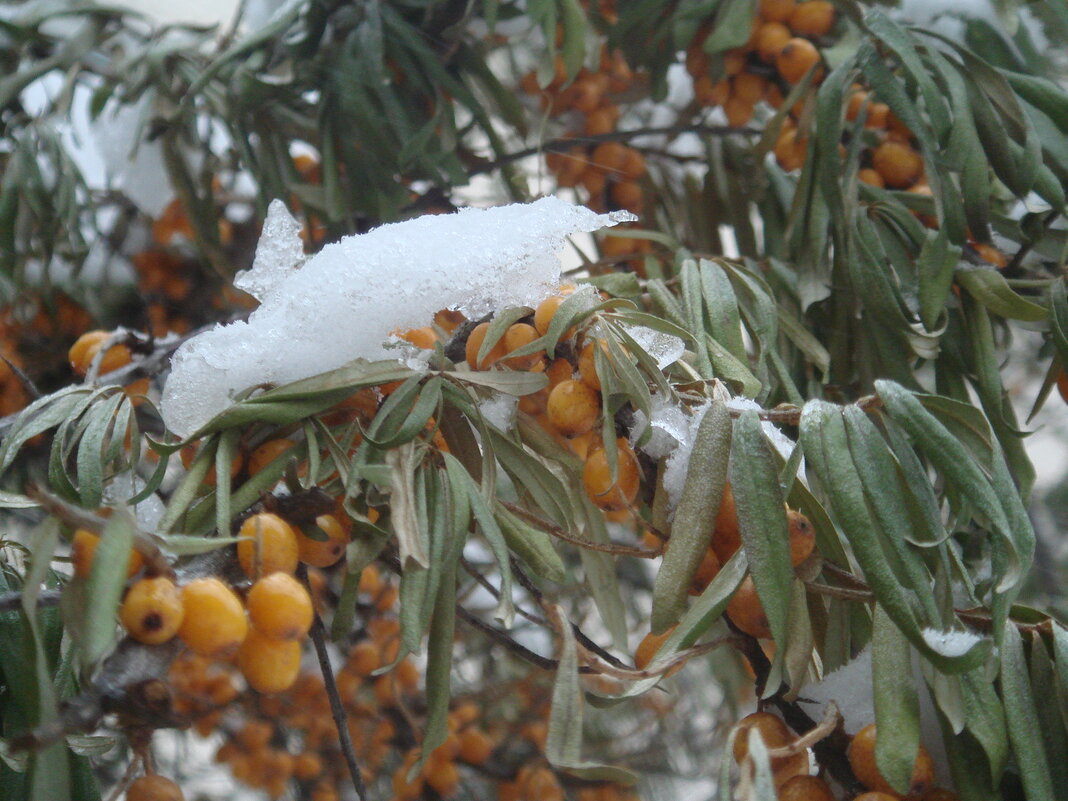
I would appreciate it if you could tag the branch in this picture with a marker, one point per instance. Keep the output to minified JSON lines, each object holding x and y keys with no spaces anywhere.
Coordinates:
{"x":559,"y":533}
{"x":565,"y":143}
{"x":337,"y":709}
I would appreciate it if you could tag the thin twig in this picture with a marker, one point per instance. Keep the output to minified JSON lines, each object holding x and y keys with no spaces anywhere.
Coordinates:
{"x":487,"y":585}
{"x":337,"y":709}
{"x":841,"y":593}
{"x":565,"y":143}
{"x":524,"y":653}
{"x":559,"y":533}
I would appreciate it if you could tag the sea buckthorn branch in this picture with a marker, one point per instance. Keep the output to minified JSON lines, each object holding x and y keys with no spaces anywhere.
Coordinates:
{"x":74,"y":516}
{"x":559,"y":533}
{"x":10,"y":601}
{"x":337,"y":709}
{"x":564,"y":144}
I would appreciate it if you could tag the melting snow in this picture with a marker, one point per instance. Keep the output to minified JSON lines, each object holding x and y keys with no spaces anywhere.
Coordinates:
{"x":951,"y":643}
{"x":344,"y":302}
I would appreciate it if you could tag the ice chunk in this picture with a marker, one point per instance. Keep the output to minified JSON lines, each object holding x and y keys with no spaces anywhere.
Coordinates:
{"x":670,"y":426}
{"x":951,"y":643}
{"x":344,"y":302}
{"x":783,"y":444}
{"x":499,"y":410}
{"x":678,"y":465}
{"x":665,"y":348}
{"x":850,"y":688}
{"x":279,"y":252}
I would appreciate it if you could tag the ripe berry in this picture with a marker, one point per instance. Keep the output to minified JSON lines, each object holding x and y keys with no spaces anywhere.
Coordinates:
{"x":802,"y":537}
{"x":154,"y":787}
{"x":706,"y":571}
{"x":573,"y":408}
{"x":83,"y":551}
{"x":323,"y":553}
{"x":726,"y":535}
{"x":85,"y":348}
{"x":152,"y":611}
{"x":214,"y":622}
{"x":475,"y":746}
{"x":267,"y":453}
{"x":597,"y":477}
{"x":777,"y":10}
{"x":518,"y":336}
{"x":268,"y":665}
{"x":648,"y":647}
{"x":796,"y":58}
{"x":543,"y":315}
{"x":268,"y":545}
{"x":861,"y":756}
{"x":770,"y":39}
{"x":775,"y":734}
{"x":814,"y":18}
{"x":474,"y":344}
{"x":279,"y":607}
{"x":747,"y":613}
{"x":424,"y":338}
{"x":805,"y":788}
{"x":869,"y":176}
{"x":898,"y":164}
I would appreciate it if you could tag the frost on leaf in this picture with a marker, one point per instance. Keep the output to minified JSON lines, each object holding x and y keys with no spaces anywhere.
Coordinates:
{"x":345,"y":301}
{"x":952,"y":643}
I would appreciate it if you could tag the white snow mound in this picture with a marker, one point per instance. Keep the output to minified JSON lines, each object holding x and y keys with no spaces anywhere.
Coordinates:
{"x":345,"y":301}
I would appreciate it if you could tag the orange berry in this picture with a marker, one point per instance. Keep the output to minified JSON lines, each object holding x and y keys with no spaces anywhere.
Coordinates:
{"x":444,"y":777}
{"x":628,"y":195}
{"x":601,"y":121}
{"x":749,"y":87}
{"x":777,"y":10}
{"x":726,"y":536}
{"x":869,"y":176}
{"x":734,"y":61}
{"x":279,"y":607}
{"x":648,"y":647}
{"x":573,"y":408}
{"x":154,"y":787}
{"x":424,"y":338}
{"x":746,"y":612}
{"x":597,"y":477}
{"x":633,"y":166}
{"x":267,"y":453}
{"x":609,"y":157}
{"x":214,"y":622}
{"x":861,"y":754}
{"x":775,"y":734}
{"x":796,"y":58}
{"x":878,"y":116}
{"x":802,"y":537}
{"x":152,"y":610}
{"x":706,"y":571}
{"x":805,"y":788}
{"x":476,"y":747}
{"x":814,"y":18}
{"x":85,"y":348}
{"x":791,"y":150}
{"x":876,"y":796}
{"x":364,"y":658}
{"x":587,"y":366}
{"x":83,"y":551}
{"x":518,"y":336}
{"x":474,"y":343}
{"x":898,"y":164}
{"x":268,"y":665}
{"x":255,"y":734}
{"x":307,"y":766}
{"x":770,"y":39}
{"x":543,"y":315}
{"x":738,"y":110}
{"x":991,"y":254}
{"x":267,"y":545}
{"x":323,"y":553}
{"x":558,"y":370}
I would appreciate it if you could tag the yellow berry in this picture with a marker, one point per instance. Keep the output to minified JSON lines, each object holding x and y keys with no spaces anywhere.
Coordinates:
{"x":573,"y":408}
{"x":268,"y":545}
{"x":83,"y":551}
{"x":214,"y":622}
{"x":861,"y":756}
{"x":323,"y":553}
{"x":269,"y":666}
{"x":154,"y":788}
{"x":279,"y":607}
{"x":152,"y":611}
{"x":597,"y":477}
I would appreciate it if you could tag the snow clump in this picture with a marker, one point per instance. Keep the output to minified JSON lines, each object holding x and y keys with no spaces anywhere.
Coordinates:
{"x":344,"y":302}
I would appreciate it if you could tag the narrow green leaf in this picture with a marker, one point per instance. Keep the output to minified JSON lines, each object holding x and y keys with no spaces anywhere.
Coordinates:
{"x":990,"y":288}
{"x":1022,"y":718}
{"x":897,"y":705}
{"x":695,"y":517}
{"x":761,"y":508}
{"x":107,"y":579}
